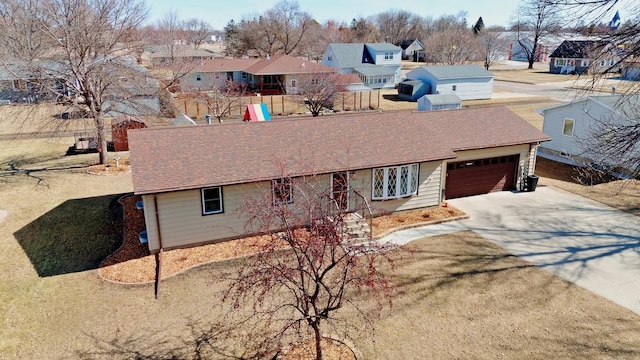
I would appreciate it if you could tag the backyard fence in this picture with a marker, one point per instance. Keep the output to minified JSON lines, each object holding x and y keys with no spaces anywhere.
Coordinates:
{"x":281,"y":105}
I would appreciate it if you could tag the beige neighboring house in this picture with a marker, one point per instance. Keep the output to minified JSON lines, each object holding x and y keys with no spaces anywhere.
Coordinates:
{"x":272,"y":75}
{"x":193,"y":180}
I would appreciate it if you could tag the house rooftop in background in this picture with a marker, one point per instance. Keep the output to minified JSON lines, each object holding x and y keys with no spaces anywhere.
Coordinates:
{"x":160,"y":55}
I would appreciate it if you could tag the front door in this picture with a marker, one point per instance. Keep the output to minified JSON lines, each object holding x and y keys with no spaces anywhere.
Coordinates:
{"x":340,"y":189}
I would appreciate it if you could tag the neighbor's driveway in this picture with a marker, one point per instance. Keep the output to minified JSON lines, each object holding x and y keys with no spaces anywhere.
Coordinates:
{"x":580,"y":240}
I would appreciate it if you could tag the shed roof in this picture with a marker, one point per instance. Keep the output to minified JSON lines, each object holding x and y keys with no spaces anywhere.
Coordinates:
{"x":170,"y":159}
{"x":443,"y":99}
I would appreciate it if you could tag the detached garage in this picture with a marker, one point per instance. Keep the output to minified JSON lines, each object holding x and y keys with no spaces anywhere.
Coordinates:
{"x":468,"y":82}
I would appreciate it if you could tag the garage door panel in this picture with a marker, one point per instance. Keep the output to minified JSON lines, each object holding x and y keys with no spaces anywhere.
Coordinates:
{"x":474,"y":180}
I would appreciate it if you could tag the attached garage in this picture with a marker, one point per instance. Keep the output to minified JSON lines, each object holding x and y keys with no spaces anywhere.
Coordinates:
{"x":481,"y":176}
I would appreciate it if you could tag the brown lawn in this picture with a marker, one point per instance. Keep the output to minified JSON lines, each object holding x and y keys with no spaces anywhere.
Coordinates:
{"x":456,"y":296}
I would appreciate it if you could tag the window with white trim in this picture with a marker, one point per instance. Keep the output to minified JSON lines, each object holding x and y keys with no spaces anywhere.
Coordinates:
{"x":282,"y":191}
{"x":388,"y":55}
{"x":567,"y":127}
{"x":395,"y":182}
{"x":211,"y":200}
{"x":561,"y":62}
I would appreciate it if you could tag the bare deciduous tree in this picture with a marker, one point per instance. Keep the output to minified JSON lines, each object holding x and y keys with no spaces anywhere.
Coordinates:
{"x":169,"y":34}
{"x":536,"y":20}
{"x":310,"y":265}
{"x":492,"y":46}
{"x":612,"y":143}
{"x":89,"y":55}
{"x":196,"y":32}
{"x":364,"y":31}
{"x":396,"y":25}
{"x":280,"y":30}
{"x":318,"y":90}
{"x":451,"y":47}
{"x":222,"y":98}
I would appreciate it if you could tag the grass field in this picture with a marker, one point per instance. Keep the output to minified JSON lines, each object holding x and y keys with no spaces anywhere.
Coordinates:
{"x":456,"y":296}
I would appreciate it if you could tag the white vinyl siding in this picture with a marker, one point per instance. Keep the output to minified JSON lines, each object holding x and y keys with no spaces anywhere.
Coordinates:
{"x":467,"y":89}
{"x":583,"y":112}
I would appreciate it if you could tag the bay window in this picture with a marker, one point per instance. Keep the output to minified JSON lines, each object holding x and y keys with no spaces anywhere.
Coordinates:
{"x":395,"y":182}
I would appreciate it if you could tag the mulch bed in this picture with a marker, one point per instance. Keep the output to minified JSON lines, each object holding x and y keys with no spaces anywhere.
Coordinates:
{"x":133,"y":264}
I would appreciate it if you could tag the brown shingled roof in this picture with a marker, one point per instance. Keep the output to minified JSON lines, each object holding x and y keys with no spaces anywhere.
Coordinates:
{"x":286,"y":64}
{"x":168,"y":159}
{"x":275,"y":65}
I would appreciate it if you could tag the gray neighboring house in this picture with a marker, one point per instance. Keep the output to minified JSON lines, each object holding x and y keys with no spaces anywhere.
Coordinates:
{"x":569,"y":124}
{"x":439,"y":102}
{"x":468,"y":82}
{"x":377,"y":64}
{"x":19,"y":85}
{"x":412,"y":49}
{"x":584,"y":56}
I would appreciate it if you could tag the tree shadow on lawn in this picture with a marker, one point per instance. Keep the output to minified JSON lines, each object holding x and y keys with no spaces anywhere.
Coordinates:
{"x":200,"y":339}
{"x":74,"y":236}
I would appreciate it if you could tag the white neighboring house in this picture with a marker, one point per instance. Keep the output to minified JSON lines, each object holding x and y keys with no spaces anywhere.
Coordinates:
{"x":570,"y":124}
{"x":468,"y":82}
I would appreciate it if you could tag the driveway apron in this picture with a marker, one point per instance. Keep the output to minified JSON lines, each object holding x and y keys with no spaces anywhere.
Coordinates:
{"x":583,"y":241}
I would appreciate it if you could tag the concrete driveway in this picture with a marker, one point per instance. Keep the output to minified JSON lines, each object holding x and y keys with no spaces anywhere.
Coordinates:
{"x":580,"y":240}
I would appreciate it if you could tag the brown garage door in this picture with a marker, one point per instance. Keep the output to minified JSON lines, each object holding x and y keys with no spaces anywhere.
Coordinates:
{"x":473,"y":177}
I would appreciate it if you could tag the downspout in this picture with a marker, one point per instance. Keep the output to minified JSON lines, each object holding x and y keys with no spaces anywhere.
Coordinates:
{"x":159,"y":254}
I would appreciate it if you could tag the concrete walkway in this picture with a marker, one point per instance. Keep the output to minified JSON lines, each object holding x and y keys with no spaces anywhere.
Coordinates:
{"x":583,"y":241}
